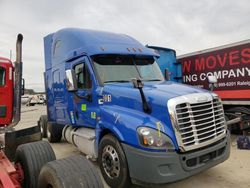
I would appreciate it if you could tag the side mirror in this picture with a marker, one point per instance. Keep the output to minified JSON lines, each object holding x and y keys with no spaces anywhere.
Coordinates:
{"x":167,"y":77}
{"x":212,"y":80}
{"x":71,"y":83}
{"x":23,"y":87}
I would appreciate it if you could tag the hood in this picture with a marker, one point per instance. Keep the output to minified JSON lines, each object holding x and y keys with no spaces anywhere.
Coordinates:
{"x":155,"y":92}
{"x":124,"y":96}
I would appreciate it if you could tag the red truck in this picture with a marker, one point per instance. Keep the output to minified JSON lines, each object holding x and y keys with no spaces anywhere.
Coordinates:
{"x":230,"y":64}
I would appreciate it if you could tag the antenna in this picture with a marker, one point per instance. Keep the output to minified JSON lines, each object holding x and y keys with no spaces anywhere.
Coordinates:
{"x":10,"y":55}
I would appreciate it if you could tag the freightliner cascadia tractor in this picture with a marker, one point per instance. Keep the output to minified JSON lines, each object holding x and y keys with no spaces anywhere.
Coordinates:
{"x":107,"y":96}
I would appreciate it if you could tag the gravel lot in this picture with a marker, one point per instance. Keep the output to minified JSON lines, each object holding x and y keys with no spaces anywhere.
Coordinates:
{"x":235,"y":172}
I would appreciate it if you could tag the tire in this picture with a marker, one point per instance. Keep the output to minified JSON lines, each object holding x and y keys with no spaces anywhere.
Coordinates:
{"x":32,"y":156}
{"x":54,"y":132}
{"x":72,"y":172}
{"x":113,"y":163}
{"x":43,"y":125}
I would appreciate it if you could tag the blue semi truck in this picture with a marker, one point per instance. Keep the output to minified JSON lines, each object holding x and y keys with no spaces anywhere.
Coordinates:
{"x":107,"y":96}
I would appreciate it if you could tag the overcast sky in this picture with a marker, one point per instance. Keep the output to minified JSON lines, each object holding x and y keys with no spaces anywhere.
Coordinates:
{"x":184,"y":25}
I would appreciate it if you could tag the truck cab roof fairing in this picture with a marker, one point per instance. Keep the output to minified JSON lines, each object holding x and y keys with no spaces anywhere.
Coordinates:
{"x":83,"y":41}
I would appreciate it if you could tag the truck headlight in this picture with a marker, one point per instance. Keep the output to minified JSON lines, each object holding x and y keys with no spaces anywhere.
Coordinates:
{"x":154,"y":139}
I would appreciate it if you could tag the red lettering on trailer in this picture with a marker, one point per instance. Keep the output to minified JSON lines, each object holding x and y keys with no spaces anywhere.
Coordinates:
{"x":231,"y":66}
{"x":234,"y":57}
{"x":186,"y":66}
{"x":200,"y":64}
{"x":211,"y":62}
{"x":245,"y":53}
{"x":221,"y":61}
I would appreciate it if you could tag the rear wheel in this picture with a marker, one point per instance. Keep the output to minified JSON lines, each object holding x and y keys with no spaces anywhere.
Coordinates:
{"x":32,"y":156}
{"x":113,"y":162}
{"x":54,"y":132}
{"x":43,"y":125}
{"x":75,"y":171}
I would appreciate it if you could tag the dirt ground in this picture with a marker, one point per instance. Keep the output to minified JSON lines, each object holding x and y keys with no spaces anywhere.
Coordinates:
{"x":235,"y":172}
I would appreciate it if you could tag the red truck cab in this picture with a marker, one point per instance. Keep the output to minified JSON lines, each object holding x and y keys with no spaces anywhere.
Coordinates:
{"x":6,"y":91}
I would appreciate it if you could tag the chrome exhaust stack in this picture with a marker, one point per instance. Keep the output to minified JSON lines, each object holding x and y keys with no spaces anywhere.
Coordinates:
{"x":18,"y":82}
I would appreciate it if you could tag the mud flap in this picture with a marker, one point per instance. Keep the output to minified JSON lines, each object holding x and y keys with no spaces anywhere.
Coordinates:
{"x":15,"y":138}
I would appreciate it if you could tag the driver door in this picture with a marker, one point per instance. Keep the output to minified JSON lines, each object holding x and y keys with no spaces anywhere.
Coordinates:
{"x":83,"y":99}
{"x":6,"y":94}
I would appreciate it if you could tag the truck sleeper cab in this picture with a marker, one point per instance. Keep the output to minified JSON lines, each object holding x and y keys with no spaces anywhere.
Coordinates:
{"x":107,"y":96}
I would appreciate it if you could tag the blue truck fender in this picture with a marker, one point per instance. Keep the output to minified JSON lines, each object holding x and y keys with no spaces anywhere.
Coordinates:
{"x":123,"y":124}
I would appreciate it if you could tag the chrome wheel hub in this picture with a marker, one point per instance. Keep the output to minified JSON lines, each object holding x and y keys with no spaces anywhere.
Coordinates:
{"x":110,"y":161}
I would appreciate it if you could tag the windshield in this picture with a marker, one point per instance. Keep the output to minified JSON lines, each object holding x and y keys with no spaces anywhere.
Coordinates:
{"x":2,"y":76}
{"x":118,"y":68}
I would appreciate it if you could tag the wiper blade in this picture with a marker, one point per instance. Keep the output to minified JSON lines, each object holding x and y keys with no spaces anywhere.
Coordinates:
{"x":119,"y":81}
{"x":153,"y":80}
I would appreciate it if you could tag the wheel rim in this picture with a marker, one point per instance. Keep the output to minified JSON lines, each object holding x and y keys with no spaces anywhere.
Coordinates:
{"x":111,"y":162}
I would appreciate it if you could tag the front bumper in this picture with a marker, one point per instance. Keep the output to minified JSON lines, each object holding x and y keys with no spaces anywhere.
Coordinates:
{"x":165,"y":167}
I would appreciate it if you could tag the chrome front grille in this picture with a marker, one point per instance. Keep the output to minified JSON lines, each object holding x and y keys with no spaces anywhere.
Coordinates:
{"x":198,"y":123}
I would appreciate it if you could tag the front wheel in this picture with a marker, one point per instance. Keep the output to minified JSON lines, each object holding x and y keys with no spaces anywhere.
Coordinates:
{"x":113,"y":163}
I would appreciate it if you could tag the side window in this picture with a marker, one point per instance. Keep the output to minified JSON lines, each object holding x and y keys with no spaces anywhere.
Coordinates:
{"x":83,"y":76}
{"x":2,"y":76}
{"x":56,"y":47}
